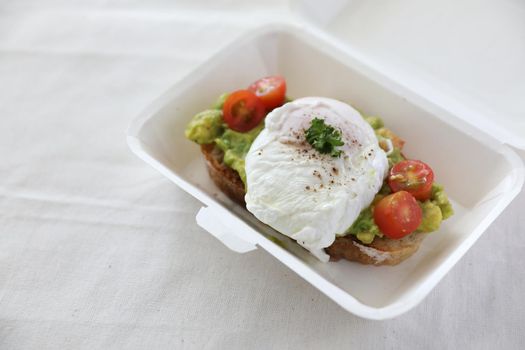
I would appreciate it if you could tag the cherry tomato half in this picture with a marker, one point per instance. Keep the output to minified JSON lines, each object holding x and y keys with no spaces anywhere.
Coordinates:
{"x":412,"y":176}
{"x":243,"y":111}
{"x":271,"y":91}
{"x":397,"y":215}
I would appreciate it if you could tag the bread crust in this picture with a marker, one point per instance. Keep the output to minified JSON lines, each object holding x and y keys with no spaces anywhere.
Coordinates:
{"x":224,"y":177}
{"x":382,"y":250}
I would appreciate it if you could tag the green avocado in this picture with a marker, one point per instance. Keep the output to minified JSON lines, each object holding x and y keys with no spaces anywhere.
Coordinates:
{"x":220,"y":101}
{"x":205,"y":127}
{"x":375,"y":122}
{"x":439,"y":197}
{"x":235,"y":146}
{"x":432,"y":217}
{"x":364,"y":227}
{"x":394,"y":157}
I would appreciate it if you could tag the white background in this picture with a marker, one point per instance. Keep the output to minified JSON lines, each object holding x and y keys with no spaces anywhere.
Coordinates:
{"x":99,"y":251}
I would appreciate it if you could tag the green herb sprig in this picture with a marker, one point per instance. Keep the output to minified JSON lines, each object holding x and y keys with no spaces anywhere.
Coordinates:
{"x":324,"y":138}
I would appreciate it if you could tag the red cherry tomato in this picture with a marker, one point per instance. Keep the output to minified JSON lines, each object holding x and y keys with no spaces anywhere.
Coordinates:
{"x":243,"y":111}
{"x":412,"y":176}
{"x":271,"y":91}
{"x":397,"y":215}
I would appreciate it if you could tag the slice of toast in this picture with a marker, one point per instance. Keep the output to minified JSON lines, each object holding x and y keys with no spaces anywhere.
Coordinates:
{"x":382,"y":250}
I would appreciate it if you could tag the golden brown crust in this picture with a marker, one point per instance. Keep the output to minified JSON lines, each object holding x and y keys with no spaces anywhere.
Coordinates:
{"x":382,"y":251}
{"x":224,"y":177}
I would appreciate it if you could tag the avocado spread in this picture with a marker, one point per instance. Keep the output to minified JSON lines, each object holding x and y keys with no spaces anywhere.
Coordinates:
{"x":235,"y":146}
{"x":205,"y":126}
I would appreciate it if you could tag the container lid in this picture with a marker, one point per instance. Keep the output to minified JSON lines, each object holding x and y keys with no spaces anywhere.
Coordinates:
{"x":446,"y":51}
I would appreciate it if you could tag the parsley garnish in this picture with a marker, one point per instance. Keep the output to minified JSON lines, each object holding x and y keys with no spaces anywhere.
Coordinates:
{"x":324,"y":138}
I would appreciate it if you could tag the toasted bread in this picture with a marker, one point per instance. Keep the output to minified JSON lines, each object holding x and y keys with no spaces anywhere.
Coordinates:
{"x":382,"y":250}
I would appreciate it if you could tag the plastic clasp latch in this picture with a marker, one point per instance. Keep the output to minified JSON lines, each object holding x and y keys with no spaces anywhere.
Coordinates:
{"x":213,"y":222}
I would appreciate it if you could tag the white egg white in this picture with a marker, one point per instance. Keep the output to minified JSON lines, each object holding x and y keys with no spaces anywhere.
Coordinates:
{"x":309,"y":196}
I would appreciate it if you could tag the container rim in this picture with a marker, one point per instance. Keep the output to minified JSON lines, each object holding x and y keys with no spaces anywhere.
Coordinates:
{"x":414,"y":295}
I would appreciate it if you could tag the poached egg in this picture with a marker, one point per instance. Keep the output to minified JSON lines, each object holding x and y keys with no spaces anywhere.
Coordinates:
{"x":309,"y":196}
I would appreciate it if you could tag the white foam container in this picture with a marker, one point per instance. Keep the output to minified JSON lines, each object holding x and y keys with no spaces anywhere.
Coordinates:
{"x":481,"y":174}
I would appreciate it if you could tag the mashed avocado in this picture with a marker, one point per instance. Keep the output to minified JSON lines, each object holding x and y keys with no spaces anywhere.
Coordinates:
{"x":439,"y":197}
{"x":432,"y":217}
{"x":384,"y":134}
{"x":205,"y":127}
{"x":220,"y":101}
{"x":375,"y":122}
{"x":394,"y":157}
{"x":364,"y":226}
{"x":235,"y":145}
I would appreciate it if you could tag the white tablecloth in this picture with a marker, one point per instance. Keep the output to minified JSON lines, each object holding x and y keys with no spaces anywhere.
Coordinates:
{"x":99,"y":251}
